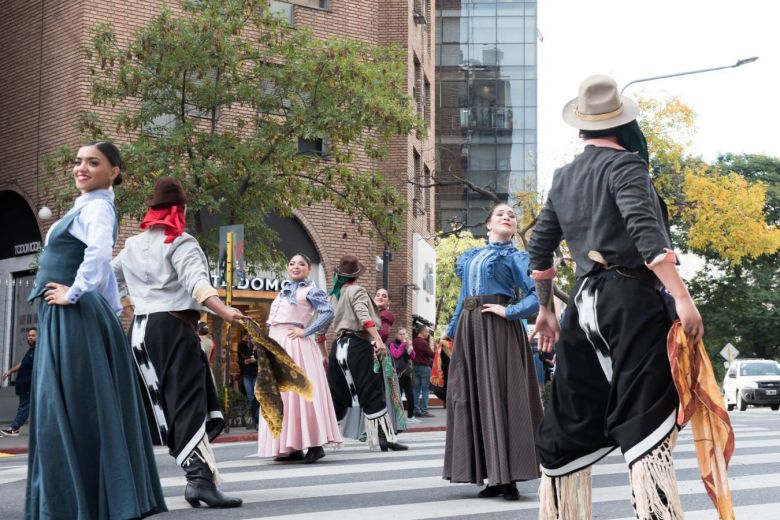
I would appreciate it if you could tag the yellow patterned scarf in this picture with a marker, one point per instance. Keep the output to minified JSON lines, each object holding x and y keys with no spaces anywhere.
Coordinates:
{"x":276,"y":373}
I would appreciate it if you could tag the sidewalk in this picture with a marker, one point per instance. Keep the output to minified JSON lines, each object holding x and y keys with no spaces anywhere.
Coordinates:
{"x":16,"y":445}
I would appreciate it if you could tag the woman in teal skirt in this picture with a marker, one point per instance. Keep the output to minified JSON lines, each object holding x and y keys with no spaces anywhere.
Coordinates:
{"x":90,"y":453}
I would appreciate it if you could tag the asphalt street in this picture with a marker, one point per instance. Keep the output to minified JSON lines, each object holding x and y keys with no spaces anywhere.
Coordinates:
{"x":353,"y":483}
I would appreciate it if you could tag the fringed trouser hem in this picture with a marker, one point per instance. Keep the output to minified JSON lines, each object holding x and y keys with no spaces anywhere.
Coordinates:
{"x":653,"y":484}
{"x":567,"y":497}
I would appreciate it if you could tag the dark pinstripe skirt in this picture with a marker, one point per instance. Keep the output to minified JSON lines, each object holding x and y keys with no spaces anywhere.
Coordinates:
{"x":493,"y":405}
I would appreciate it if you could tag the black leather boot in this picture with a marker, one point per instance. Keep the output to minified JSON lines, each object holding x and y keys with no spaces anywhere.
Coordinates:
{"x":384,"y":444}
{"x":200,"y":484}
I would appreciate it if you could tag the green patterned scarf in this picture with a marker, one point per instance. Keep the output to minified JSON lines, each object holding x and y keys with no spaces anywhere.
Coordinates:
{"x":338,"y":282}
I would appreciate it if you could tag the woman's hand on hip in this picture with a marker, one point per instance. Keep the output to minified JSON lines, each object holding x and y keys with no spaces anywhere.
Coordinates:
{"x":57,"y":294}
{"x":498,"y":310}
{"x":296,"y":332}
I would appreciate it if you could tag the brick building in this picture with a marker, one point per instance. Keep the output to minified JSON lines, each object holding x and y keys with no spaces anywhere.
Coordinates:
{"x":46,"y":85}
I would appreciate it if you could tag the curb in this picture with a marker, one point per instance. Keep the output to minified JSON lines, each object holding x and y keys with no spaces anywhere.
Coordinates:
{"x":14,"y":451}
{"x":253,"y":436}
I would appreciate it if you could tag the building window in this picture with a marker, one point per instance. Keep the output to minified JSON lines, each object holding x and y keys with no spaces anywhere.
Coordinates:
{"x":419,"y":183}
{"x":283,"y":10}
{"x":427,"y":102}
{"x":418,"y":91}
{"x":312,"y":146}
{"x":426,"y":191}
{"x":316,"y":4}
{"x":421,"y":11}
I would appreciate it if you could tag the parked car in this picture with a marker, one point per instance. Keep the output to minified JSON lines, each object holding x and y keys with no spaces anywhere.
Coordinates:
{"x":752,"y":381}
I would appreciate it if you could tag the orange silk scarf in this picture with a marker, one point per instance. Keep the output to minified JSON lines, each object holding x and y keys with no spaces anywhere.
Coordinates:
{"x":701,"y":403}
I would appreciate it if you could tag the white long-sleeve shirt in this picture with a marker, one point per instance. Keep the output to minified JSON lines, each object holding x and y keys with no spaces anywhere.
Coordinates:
{"x":95,"y":227}
{"x":162,"y":277}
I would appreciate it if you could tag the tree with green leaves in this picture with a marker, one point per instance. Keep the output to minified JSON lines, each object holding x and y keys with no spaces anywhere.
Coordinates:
{"x":740,"y":301}
{"x":715,"y":210}
{"x":448,"y":249}
{"x":253,"y":116}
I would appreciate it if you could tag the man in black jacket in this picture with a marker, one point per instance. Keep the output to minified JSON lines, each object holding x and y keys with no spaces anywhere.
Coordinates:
{"x":23,"y":371}
{"x":613,"y":386}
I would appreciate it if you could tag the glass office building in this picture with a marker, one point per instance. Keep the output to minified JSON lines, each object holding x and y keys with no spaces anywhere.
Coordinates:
{"x":486,"y":97}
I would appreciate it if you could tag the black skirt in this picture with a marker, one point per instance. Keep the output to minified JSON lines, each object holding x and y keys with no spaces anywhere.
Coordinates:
{"x":179,"y":394}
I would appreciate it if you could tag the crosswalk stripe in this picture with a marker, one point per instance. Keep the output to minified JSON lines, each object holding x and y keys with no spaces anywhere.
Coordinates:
{"x":331,"y":455}
{"x":321,"y":469}
{"x":692,"y":463}
{"x":328,"y":490}
{"x":763,"y":511}
{"x":447,"y":508}
{"x":393,"y":465}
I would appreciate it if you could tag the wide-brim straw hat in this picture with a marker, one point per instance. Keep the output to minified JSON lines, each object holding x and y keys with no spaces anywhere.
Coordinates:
{"x":349,"y":267}
{"x":600,"y":106}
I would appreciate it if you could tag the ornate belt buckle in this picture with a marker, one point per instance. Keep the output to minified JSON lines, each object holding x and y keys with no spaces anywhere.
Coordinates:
{"x":470,"y":303}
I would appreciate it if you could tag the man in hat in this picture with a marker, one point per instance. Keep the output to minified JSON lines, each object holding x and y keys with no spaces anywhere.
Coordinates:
{"x":613,"y":385}
{"x":354,"y":373}
{"x":164,"y":272}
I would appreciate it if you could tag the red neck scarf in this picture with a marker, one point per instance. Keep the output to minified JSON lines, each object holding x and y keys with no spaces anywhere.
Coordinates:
{"x":171,"y":218}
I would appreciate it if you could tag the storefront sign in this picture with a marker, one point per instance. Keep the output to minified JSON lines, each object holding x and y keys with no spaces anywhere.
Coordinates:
{"x":252,"y":283}
{"x":21,"y":235}
{"x":26,"y":249}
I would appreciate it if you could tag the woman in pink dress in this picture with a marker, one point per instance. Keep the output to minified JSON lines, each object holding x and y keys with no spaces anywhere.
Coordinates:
{"x":306,"y":424}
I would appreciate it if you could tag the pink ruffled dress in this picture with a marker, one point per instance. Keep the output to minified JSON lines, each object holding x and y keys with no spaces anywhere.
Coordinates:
{"x":305,"y":424}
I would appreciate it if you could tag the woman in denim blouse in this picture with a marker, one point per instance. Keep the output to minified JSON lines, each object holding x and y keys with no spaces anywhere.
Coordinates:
{"x":492,"y":393}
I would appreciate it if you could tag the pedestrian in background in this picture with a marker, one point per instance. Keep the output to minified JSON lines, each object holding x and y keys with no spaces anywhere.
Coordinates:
{"x":206,"y":342}
{"x":23,"y":371}
{"x":90,"y":453}
{"x":403,"y":354}
{"x":493,"y":406}
{"x":299,"y":314}
{"x":392,"y":385}
{"x":423,"y":361}
{"x":247,"y":361}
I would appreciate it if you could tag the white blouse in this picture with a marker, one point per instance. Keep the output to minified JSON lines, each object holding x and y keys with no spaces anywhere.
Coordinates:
{"x":95,"y":227}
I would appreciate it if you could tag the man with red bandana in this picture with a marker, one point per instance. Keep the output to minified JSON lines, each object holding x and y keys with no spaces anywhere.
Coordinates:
{"x":164,"y":275}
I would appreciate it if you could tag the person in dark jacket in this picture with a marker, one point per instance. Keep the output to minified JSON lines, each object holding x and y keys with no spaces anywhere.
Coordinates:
{"x":248,"y":364}
{"x":23,"y":371}
{"x":613,"y":384}
{"x":423,"y":361}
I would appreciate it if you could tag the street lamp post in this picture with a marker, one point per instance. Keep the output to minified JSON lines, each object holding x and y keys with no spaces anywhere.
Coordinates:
{"x":739,"y":63}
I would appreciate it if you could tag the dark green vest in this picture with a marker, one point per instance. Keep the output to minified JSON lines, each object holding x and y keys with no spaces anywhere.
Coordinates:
{"x":60,"y":259}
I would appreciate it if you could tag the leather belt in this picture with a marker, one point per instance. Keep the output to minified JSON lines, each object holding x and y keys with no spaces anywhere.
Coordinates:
{"x":643,"y":274}
{"x":190,"y":316}
{"x":473,"y":302}
{"x":362,"y":334}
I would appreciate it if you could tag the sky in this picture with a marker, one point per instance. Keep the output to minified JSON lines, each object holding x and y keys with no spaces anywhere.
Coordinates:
{"x":736,"y":109}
